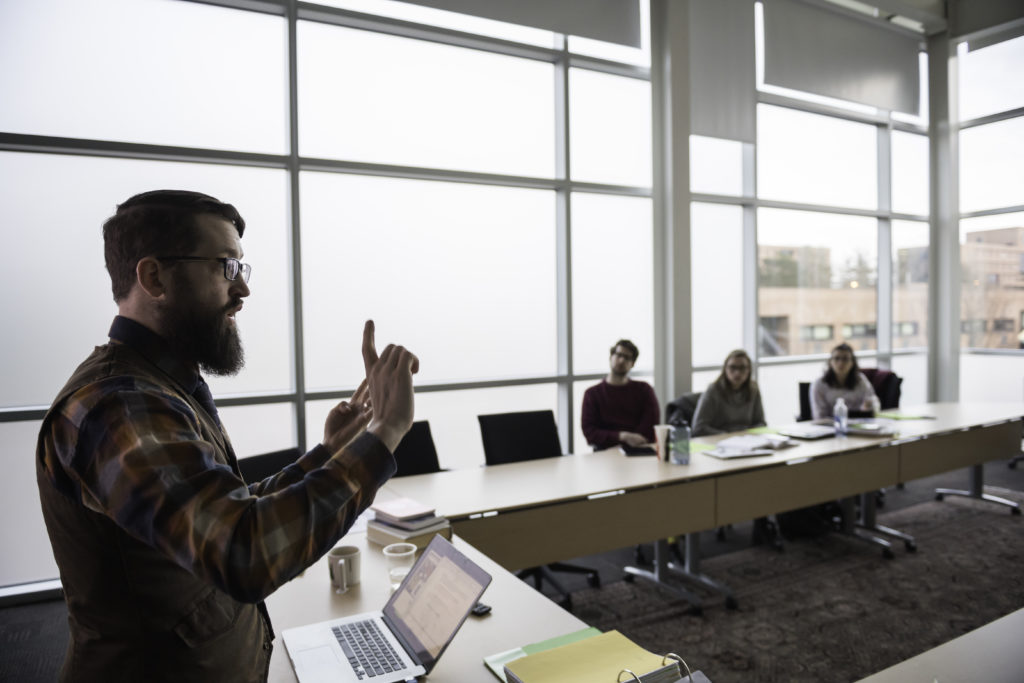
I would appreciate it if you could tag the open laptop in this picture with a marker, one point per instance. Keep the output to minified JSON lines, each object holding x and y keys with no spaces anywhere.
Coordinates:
{"x":413,"y":629}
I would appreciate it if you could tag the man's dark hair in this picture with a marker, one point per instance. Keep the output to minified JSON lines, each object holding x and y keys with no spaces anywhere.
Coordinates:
{"x":160,"y":222}
{"x":628,"y":345}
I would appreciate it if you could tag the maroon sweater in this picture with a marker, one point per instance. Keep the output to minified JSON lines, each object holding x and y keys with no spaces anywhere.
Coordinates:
{"x":609,"y":409}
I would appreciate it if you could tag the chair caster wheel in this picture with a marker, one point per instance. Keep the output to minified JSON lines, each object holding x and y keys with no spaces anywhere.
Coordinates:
{"x":887,"y":553}
{"x":594,"y":581}
{"x":911,"y":547}
{"x":629,"y":578}
{"x":1015,"y":511}
{"x":730,"y":603}
{"x":938,"y":496}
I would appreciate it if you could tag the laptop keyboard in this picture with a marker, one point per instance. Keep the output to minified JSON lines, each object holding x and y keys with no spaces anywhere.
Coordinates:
{"x":368,"y":651}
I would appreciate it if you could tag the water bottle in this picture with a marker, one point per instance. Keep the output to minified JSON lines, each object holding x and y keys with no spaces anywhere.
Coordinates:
{"x":679,"y":444}
{"x":840,"y":415}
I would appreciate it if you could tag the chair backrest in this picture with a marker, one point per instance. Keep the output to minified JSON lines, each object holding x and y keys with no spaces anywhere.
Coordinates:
{"x":258,"y":467}
{"x":681,"y":410}
{"x":887,"y":385}
{"x":805,"y":402}
{"x":416,"y":453}
{"x":513,"y":437}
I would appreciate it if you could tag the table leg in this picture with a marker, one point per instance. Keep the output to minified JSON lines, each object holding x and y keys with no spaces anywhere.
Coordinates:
{"x":661,"y":568}
{"x":977,"y":482}
{"x":868,"y":509}
{"x":851,"y":528}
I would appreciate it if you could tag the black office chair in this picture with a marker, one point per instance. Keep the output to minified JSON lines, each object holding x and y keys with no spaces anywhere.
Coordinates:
{"x":531,"y":435}
{"x":804,"y":392}
{"x":416,"y":453}
{"x":258,"y":467}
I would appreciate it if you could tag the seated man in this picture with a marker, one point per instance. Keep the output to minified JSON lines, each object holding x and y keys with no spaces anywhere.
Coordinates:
{"x":620,"y":410}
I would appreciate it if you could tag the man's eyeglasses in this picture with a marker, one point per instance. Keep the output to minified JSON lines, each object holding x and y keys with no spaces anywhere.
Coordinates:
{"x":232,"y":266}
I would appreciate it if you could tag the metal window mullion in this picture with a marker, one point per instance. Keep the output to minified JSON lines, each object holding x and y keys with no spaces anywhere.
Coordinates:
{"x":298,"y":336}
{"x":750,"y":276}
{"x":563,"y":250}
{"x":884,"y":288}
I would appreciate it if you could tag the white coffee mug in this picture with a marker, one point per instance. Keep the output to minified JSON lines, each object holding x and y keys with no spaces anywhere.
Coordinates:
{"x":343,"y":566}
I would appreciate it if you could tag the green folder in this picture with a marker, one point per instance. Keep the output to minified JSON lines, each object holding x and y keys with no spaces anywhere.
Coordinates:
{"x":496,"y":662}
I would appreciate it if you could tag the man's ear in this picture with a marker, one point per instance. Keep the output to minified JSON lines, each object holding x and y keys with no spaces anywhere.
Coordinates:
{"x":149,"y":274}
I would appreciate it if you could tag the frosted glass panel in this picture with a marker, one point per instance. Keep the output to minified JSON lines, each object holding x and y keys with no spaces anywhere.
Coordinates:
{"x":452,"y":417}
{"x":263,"y":428}
{"x":716,"y":277}
{"x":716,"y":166}
{"x":609,"y":128}
{"x":171,"y":73}
{"x":914,"y":371}
{"x":463,"y":275}
{"x":780,"y":389}
{"x":910,"y":284}
{"x":371,"y":97}
{"x":23,"y":531}
{"x":612,"y":279}
{"x":909,"y":173}
{"x":991,"y":378}
{"x":817,"y":275}
{"x":703,"y":378}
{"x":64,"y":310}
{"x":990,"y":79}
{"x":814,"y":159}
{"x":991,"y":174}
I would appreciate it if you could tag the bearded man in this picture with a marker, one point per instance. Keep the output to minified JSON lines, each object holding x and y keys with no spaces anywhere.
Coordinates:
{"x":165,"y":553}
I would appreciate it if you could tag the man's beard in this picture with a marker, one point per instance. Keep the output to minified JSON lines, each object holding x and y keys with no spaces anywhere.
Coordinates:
{"x":207,"y":339}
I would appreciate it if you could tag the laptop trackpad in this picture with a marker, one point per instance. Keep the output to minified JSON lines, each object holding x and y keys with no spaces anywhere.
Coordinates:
{"x":317,"y":664}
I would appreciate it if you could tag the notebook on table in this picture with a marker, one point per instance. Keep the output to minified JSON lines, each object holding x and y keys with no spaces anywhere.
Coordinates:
{"x":403,"y":640}
{"x":808,"y":430}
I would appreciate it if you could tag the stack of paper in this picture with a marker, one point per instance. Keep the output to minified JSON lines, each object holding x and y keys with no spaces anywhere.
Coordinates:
{"x":747,"y":445}
{"x":404,"y":520}
{"x":592,"y":660}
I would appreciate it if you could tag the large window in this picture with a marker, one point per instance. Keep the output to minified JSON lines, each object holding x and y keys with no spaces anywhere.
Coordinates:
{"x":992,"y":220}
{"x":464,"y":182}
{"x":817,"y":275}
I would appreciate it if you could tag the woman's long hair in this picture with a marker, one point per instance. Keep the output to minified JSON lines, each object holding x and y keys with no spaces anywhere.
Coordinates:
{"x":748,"y":387}
{"x":851,"y":377}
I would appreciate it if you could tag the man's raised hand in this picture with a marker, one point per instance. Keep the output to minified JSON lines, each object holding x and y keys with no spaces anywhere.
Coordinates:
{"x":348,"y":419}
{"x":391,"y":395}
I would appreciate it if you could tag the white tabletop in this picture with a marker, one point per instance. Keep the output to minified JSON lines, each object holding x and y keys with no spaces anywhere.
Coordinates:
{"x":520,"y":615}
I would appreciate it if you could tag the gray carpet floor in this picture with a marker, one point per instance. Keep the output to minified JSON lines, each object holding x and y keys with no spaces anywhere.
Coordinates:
{"x":33,"y":637}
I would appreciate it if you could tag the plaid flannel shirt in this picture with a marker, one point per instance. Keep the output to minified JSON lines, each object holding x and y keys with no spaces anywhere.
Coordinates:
{"x":135,"y":449}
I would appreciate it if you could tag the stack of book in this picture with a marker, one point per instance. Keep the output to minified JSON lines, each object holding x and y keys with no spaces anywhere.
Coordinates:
{"x":404,"y":520}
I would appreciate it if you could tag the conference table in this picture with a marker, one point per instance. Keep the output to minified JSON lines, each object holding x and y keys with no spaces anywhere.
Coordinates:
{"x":518,"y":515}
{"x":539,"y":511}
{"x":519,"y":614}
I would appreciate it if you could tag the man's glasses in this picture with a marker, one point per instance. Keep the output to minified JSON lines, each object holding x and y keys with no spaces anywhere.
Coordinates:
{"x":232,"y":266}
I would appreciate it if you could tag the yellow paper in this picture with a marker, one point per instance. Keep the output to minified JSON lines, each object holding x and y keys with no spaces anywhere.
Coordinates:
{"x":593,"y":660}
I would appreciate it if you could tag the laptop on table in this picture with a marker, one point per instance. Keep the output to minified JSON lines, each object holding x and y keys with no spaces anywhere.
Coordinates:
{"x":406,"y":638}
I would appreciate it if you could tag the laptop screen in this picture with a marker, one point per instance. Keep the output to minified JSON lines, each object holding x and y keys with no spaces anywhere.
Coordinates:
{"x":434,"y":599}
